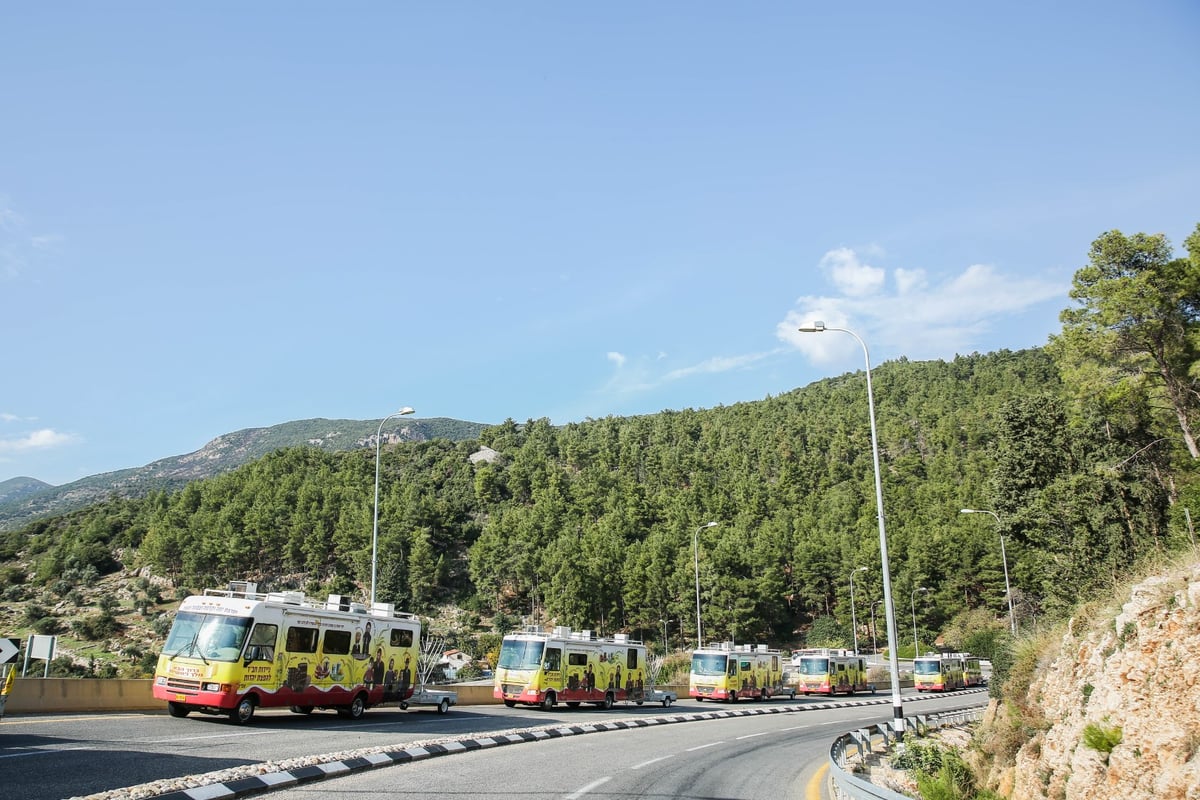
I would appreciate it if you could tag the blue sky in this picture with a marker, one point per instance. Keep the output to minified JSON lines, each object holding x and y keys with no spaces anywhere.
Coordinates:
{"x":222,"y":215}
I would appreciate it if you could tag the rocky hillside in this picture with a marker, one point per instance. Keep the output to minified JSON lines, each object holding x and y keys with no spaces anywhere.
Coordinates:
{"x":1113,"y":702}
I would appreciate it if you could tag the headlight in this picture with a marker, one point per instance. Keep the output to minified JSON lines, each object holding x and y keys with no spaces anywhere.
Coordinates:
{"x":212,"y":687}
{"x":161,"y":680}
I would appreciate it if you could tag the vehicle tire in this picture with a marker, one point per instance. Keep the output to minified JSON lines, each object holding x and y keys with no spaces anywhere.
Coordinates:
{"x":510,"y":703}
{"x":637,"y":702}
{"x":548,"y":701}
{"x":666,"y":702}
{"x":572,"y":704}
{"x":699,"y":699}
{"x":733,"y":698}
{"x":404,"y":705}
{"x":302,"y":710}
{"x":178,"y":710}
{"x":243,"y":712}
{"x":608,"y":701}
{"x":444,"y":706}
{"x":357,"y":707}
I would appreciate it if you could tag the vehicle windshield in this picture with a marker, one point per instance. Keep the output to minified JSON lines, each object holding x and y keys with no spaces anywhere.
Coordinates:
{"x":708,"y":664}
{"x":521,"y":654}
{"x":926,"y":667}
{"x":814,"y":666}
{"x":209,"y":637}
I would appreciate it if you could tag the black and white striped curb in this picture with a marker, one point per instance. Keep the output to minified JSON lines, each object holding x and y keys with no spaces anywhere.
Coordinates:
{"x":385,"y":757}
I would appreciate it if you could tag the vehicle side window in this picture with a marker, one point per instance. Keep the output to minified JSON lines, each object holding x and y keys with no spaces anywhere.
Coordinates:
{"x":302,"y":640}
{"x":553,"y":659}
{"x":632,"y":662}
{"x":401,"y":637}
{"x":577,"y":659}
{"x":262,"y":642}
{"x":733,"y":666}
{"x":337,"y":643}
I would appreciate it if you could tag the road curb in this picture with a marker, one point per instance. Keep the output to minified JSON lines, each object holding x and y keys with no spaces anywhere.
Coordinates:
{"x":256,"y":784}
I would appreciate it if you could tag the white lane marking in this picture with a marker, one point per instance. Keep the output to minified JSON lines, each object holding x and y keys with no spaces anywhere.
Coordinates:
{"x":198,"y":738}
{"x":751,"y":736}
{"x":596,"y":784}
{"x":651,"y":761}
{"x":702,"y":746}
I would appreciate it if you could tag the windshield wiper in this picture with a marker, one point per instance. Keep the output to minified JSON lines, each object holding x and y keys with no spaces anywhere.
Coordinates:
{"x":191,"y":647}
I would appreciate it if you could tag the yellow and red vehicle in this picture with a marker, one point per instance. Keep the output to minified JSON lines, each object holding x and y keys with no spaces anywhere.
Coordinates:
{"x":828,"y":670}
{"x":938,"y":673}
{"x":737,"y":672}
{"x":232,"y":651}
{"x":540,"y":668}
{"x":972,"y":670}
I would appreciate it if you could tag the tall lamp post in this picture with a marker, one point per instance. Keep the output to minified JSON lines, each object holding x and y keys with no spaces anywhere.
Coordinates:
{"x":888,"y":608}
{"x":696,"y":562}
{"x":375,"y":526}
{"x":853,"y":618}
{"x":1012,"y":618}
{"x":912,"y":599}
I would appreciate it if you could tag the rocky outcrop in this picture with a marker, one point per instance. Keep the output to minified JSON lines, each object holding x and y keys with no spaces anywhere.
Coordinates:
{"x":1118,"y":701}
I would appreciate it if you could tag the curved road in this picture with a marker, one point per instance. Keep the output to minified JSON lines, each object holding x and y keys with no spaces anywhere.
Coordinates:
{"x":52,"y":757}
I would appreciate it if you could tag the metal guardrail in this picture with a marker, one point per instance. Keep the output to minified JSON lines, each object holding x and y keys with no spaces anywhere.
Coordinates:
{"x":846,"y":785}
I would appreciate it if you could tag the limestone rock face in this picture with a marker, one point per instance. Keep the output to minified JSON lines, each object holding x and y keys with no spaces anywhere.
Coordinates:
{"x":1138,"y":672}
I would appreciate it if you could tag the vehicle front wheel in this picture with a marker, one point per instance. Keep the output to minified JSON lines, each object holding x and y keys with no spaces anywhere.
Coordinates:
{"x":608,"y":701}
{"x":444,"y":706}
{"x":301,"y":710}
{"x":510,"y":703}
{"x":548,"y":701}
{"x":243,"y":712}
{"x":666,"y":702}
{"x":178,"y":710}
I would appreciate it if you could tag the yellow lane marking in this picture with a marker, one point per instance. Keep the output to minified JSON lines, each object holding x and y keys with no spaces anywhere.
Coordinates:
{"x":813,"y":791}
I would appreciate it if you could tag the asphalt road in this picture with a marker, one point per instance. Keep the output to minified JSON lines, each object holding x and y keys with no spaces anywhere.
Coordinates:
{"x":59,"y":756}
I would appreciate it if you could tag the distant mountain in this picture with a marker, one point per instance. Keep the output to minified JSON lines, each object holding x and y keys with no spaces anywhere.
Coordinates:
{"x":25,"y":499}
{"x":15,"y":489}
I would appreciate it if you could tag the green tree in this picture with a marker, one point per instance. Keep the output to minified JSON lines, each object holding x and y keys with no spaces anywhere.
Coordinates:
{"x":1136,"y":330}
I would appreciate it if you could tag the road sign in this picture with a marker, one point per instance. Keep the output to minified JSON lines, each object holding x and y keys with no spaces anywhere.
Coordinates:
{"x":9,"y":650}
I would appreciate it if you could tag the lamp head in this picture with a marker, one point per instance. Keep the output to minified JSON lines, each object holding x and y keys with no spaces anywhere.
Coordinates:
{"x":712,"y":524}
{"x":404,"y":411}
{"x":816,"y":327}
{"x":861,"y":569}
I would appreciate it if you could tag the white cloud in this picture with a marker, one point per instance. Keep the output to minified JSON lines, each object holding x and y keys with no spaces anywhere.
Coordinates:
{"x":616,"y":358}
{"x":921,"y":317}
{"x":6,"y":417}
{"x":44,"y":439}
{"x":716,"y":364}
{"x":850,"y":275}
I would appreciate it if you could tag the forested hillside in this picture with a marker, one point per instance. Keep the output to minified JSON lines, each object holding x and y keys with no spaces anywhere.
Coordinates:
{"x":25,"y":499}
{"x":593,"y":524}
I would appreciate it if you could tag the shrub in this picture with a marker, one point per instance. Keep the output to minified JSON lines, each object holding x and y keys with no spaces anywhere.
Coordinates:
{"x":47,"y":626}
{"x":1102,"y":738}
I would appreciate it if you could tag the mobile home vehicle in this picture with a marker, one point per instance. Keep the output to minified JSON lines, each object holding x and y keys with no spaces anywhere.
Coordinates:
{"x":539,"y":668}
{"x":830,"y":670}
{"x":972,"y":670}
{"x":232,"y":651}
{"x":938,"y":673}
{"x":732,"y":672}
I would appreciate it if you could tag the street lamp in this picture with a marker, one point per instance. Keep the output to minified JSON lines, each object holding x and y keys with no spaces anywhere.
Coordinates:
{"x":912,"y":599}
{"x":375,"y":526}
{"x":853,"y":618}
{"x":1012,"y":618}
{"x":696,"y":561}
{"x":889,"y":610}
